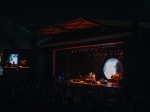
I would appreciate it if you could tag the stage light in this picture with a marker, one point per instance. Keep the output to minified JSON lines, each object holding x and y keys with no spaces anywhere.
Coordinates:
{"x":72,"y":51}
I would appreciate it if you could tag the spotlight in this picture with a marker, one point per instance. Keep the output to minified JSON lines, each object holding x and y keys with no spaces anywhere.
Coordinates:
{"x":72,"y":51}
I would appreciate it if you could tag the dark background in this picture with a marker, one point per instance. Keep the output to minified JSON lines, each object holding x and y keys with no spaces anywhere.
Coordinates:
{"x":43,"y":13}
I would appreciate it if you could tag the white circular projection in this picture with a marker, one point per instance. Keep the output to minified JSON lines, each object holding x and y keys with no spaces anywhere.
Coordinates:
{"x":111,"y":67}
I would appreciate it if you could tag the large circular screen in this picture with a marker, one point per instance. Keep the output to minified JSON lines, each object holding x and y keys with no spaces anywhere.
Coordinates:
{"x":111,"y":67}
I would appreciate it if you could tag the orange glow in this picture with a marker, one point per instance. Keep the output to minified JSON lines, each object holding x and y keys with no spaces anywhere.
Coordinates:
{"x":12,"y":67}
{"x":23,"y":67}
{"x":16,"y":67}
{"x":20,"y":66}
{"x":5,"y":66}
{"x":76,"y":24}
{"x":91,"y":45}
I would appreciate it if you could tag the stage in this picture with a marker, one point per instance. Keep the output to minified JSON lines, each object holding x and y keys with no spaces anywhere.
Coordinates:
{"x":96,"y":83}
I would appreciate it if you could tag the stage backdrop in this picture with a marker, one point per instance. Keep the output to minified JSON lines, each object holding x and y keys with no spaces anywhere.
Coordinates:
{"x":74,"y":64}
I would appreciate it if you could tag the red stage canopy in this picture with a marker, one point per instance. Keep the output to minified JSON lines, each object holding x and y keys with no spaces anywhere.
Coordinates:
{"x":76,"y":24}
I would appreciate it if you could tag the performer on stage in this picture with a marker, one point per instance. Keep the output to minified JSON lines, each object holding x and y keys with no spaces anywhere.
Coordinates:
{"x":94,"y":77}
{"x":117,"y":77}
{"x":90,"y":75}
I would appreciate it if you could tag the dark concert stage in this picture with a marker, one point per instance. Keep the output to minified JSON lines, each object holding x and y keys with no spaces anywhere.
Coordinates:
{"x":103,"y":61}
{"x":103,"y":49}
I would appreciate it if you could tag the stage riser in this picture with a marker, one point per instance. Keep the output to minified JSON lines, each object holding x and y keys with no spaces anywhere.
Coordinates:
{"x":104,"y":82}
{"x":88,"y":81}
{"x":76,"y":80}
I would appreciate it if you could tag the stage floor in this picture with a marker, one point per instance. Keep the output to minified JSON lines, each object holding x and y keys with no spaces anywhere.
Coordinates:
{"x":97,"y":83}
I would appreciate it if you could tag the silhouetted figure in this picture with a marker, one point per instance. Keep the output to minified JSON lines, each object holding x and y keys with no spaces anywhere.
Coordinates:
{"x":137,"y":105}
{"x":110,"y":108}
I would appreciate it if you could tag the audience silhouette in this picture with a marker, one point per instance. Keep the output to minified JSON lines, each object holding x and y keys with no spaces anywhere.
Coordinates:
{"x":42,"y":96}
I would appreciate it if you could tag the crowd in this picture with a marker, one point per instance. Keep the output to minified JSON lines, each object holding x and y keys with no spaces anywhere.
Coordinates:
{"x":43,"y":96}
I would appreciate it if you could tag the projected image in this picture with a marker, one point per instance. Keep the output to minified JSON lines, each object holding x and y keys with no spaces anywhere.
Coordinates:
{"x":24,"y":63}
{"x":13,"y":59}
{"x":112,"y":67}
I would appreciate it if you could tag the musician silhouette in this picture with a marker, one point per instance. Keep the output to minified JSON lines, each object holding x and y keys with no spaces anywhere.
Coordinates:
{"x":93,"y":77}
{"x":90,"y":75}
{"x":115,"y":77}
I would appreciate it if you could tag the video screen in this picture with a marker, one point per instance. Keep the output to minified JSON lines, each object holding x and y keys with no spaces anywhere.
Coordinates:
{"x":13,"y":59}
{"x":17,"y":58}
{"x":112,"y":67}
